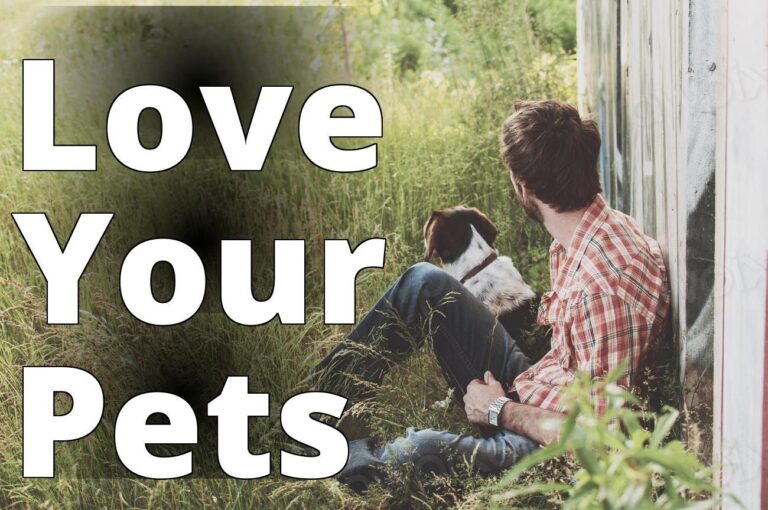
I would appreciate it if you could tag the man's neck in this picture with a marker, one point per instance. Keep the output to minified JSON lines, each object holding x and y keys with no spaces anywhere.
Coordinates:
{"x":561,"y":226}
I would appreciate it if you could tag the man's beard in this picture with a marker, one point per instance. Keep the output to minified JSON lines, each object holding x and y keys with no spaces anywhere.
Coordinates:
{"x":531,"y":209}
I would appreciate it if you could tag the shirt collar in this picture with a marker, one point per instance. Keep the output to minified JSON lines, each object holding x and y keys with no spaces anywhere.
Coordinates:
{"x":591,"y":221}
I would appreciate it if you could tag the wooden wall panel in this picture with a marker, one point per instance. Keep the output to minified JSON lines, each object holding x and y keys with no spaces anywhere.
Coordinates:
{"x":740,"y":347}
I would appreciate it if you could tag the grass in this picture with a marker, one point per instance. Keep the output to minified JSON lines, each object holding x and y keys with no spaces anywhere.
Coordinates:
{"x":439,"y":149}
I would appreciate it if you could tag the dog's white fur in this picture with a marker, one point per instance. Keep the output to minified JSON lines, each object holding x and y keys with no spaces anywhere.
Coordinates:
{"x":499,"y":285}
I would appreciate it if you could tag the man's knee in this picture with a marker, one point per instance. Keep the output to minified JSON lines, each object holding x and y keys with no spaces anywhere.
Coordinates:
{"x":428,"y":279}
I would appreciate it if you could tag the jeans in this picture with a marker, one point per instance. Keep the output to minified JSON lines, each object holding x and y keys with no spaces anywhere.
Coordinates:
{"x":427,"y":304}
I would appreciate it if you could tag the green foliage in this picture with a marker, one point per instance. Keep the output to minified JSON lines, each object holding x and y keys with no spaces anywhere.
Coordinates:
{"x":554,"y":22}
{"x":624,"y":465}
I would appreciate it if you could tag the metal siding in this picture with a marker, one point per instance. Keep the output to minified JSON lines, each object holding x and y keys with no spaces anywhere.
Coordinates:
{"x":680,"y":90}
{"x":647,"y":45}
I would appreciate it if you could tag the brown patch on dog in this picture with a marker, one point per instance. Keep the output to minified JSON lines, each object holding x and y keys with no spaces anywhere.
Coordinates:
{"x":447,"y":232}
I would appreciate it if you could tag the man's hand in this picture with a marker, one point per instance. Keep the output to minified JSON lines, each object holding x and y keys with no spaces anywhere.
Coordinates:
{"x":541,"y":425}
{"x":480,"y":395}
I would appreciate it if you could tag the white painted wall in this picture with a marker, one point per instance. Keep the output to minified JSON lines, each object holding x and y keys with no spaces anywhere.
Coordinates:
{"x":742,"y":250}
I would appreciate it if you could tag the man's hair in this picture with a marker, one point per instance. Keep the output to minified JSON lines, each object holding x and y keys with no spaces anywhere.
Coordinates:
{"x":553,"y":152}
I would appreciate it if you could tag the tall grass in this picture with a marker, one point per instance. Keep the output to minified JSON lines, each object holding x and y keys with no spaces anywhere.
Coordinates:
{"x":439,"y":148}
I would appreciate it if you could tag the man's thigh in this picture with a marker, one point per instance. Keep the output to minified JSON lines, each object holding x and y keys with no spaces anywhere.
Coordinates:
{"x":465,"y":334}
{"x":425,"y":303}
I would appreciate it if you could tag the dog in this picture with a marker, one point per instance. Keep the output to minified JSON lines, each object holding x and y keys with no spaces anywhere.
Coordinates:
{"x":462,"y":237}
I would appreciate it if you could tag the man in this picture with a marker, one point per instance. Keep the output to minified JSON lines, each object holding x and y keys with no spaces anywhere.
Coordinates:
{"x":608,"y":302}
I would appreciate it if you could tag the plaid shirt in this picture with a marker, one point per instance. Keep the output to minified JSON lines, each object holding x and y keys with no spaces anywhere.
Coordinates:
{"x":609,"y":299}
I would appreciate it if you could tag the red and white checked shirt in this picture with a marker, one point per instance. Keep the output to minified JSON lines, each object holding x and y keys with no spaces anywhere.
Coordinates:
{"x":609,"y":298}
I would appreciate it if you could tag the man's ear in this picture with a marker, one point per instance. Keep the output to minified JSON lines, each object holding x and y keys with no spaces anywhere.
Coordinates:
{"x":521,"y":189}
{"x":484,"y":227}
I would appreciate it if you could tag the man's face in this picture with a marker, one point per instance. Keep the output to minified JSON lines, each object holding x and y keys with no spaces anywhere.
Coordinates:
{"x":530,"y":207}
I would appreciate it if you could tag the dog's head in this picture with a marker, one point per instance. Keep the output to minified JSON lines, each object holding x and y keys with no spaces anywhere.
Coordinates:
{"x":447,"y":232}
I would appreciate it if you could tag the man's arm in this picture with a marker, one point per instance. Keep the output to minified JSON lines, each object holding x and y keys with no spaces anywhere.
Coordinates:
{"x":606,"y":331}
{"x":540,"y":425}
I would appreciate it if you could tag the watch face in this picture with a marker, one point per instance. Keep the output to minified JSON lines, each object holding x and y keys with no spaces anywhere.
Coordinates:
{"x":493,"y":415}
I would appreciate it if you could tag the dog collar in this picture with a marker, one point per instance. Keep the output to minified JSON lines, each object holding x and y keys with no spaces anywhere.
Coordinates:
{"x":485,"y":263}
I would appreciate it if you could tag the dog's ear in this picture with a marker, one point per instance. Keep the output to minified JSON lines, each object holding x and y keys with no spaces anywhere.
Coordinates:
{"x":430,"y":234}
{"x":484,"y":226}
{"x":447,"y":234}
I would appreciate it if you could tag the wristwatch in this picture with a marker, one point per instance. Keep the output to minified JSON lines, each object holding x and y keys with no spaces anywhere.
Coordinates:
{"x":495,"y":410}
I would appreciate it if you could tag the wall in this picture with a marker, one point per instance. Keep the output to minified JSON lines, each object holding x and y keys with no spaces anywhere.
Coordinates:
{"x":646,"y":74}
{"x":680,"y":90}
{"x":741,"y":296}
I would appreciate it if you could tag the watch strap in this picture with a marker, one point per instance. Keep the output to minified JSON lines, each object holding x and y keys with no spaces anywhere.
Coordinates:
{"x":495,"y":410}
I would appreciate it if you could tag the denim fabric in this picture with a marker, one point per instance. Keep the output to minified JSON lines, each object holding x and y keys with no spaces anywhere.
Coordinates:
{"x":427,"y":303}
{"x":434,"y":451}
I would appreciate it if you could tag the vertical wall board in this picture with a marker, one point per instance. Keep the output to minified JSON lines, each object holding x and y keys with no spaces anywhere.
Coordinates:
{"x":597,"y":31}
{"x":744,"y":253}
{"x":698,"y":197}
{"x":719,"y":284}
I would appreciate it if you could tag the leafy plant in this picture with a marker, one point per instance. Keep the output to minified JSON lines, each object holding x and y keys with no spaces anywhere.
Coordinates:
{"x":624,"y":465}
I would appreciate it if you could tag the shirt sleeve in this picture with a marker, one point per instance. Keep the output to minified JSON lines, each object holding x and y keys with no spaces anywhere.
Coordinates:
{"x":605,"y":332}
